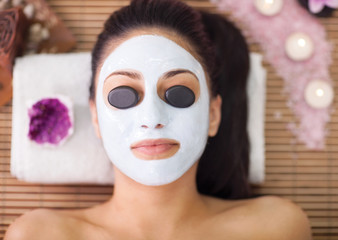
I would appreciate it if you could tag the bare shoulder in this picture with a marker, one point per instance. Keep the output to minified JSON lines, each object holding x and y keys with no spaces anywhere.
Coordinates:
{"x":277,"y":218}
{"x":39,"y":224}
{"x":262,"y":218}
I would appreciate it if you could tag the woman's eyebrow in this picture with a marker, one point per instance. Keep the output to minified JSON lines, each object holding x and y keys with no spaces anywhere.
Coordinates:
{"x":176,"y":72}
{"x":132,"y":75}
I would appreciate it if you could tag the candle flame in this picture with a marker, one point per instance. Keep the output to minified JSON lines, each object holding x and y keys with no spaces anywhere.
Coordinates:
{"x":301,"y":42}
{"x":320,"y":92}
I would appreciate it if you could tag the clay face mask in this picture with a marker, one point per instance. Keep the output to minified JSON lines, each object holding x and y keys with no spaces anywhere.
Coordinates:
{"x":152,"y":133}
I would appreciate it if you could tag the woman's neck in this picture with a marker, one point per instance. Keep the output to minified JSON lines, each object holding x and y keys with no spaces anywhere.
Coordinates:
{"x":152,"y":206}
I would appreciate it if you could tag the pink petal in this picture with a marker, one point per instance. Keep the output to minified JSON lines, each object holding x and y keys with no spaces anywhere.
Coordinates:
{"x":332,"y":3}
{"x":316,"y":6}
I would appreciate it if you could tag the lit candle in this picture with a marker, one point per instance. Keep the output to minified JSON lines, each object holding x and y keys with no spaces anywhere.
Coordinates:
{"x":299,"y":46}
{"x":319,"y":94}
{"x":268,"y":7}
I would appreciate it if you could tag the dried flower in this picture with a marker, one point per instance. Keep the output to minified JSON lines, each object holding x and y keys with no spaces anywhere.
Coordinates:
{"x":16,"y":3}
{"x":317,"y":6}
{"x":3,"y":4}
{"x":29,"y":11}
{"x":50,"y":121}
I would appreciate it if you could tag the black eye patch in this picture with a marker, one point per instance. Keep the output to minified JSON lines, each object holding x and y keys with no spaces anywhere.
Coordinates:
{"x":123,"y":97}
{"x":180,"y":96}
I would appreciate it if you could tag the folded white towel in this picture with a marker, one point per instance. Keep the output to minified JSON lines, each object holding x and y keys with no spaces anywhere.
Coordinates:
{"x":82,"y":159}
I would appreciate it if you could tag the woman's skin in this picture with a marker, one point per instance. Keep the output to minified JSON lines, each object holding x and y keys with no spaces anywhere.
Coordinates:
{"x":172,"y":211}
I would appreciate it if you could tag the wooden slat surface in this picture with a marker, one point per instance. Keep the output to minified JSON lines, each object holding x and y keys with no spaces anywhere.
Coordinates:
{"x":310,"y":178}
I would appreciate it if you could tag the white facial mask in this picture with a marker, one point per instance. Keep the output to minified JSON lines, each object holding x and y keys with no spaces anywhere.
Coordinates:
{"x":152,"y":56}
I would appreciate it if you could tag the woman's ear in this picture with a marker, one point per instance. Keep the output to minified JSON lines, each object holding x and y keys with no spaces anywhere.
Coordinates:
{"x":215,"y":115}
{"x":95,"y":121}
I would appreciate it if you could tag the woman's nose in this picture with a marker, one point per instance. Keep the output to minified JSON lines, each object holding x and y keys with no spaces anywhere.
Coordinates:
{"x":153,"y":114}
{"x":158,"y":126}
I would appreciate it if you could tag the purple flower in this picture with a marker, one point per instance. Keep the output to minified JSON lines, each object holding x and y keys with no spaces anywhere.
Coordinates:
{"x":49,"y":121}
{"x":317,"y":6}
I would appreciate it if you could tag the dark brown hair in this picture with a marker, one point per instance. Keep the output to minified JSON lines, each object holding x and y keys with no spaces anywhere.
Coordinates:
{"x":223,"y":167}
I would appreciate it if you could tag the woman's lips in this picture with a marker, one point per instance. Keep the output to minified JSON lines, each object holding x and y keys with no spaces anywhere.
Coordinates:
{"x":155,"y":149}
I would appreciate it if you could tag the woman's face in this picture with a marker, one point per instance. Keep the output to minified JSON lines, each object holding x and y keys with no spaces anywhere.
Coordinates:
{"x":153,"y":107}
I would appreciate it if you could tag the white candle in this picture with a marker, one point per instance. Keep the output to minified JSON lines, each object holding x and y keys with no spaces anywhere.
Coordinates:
{"x":299,"y":46}
{"x":319,"y":94}
{"x":268,"y":7}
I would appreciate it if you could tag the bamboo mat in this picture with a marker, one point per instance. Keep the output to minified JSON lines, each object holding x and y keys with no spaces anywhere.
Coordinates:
{"x":309,"y":178}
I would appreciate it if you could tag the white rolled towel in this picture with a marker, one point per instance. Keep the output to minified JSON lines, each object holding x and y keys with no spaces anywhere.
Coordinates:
{"x":81,"y":158}
{"x":256,"y":90}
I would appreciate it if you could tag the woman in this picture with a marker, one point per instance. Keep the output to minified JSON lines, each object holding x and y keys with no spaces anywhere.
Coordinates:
{"x":168,"y":81}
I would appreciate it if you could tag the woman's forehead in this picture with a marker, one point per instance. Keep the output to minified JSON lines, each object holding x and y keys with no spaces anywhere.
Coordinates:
{"x":169,"y":34}
{"x":150,"y":53}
